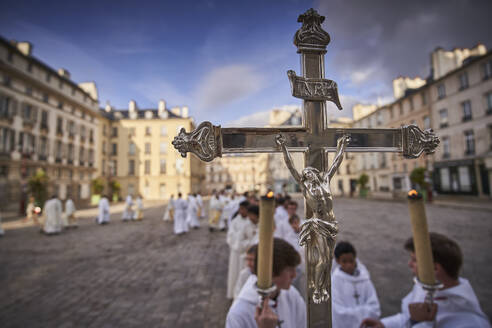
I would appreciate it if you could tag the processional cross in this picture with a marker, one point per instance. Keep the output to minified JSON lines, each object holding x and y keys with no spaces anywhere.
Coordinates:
{"x":315,"y":139}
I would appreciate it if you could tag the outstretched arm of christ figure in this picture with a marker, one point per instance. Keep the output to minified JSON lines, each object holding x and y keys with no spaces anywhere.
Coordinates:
{"x":342,"y":143}
{"x":280,"y":140}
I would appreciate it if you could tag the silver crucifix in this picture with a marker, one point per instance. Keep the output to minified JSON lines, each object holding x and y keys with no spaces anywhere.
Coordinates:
{"x":315,"y":139}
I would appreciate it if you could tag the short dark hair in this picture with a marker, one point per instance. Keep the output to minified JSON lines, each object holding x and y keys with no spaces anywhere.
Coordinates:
{"x":279,"y":201}
{"x":252,"y":250}
{"x":254,"y":209}
{"x":344,"y":247}
{"x":244,"y":203}
{"x":445,"y":251}
{"x":293,"y":218}
{"x":293,"y":202}
{"x":284,"y":255}
{"x":180,"y":194}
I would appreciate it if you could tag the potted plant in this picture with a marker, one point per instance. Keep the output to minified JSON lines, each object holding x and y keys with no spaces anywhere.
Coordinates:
{"x":97,"y":186}
{"x":362,"y":182}
{"x":115,"y":190}
{"x":417,"y":177}
{"x":38,"y":187}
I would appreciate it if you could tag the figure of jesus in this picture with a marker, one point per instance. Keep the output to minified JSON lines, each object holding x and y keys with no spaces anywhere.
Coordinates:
{"x":319,"y":232}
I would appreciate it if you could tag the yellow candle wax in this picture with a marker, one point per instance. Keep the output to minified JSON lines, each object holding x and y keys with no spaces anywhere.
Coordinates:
{"x":421,"y":239}
{"x":265,"y":245}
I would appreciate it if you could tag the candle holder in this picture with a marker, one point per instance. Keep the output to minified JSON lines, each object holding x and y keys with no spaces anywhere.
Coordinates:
{"x":430,"y":289}
{"x":264,"y":293}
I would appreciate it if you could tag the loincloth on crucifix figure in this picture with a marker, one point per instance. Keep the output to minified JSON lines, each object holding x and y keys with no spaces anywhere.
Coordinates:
{"x":318,"y":233}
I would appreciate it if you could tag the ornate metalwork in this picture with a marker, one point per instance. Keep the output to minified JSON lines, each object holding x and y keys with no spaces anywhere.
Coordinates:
{"x":314,"y":89}
{"x":318,"y":234}
{"x":205,"y":142}
{"x":415,"y":141}
{"x":311,"y":37}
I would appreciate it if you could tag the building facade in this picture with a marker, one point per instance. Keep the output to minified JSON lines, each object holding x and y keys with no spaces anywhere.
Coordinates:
{"x":47,"y":121}
{"x":136,"y":152}
{"x":456,"y":103}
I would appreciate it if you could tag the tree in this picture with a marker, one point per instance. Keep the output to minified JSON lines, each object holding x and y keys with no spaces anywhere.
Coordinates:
{"x":418,"y":177}
{"x":38,"y":186}
{"x":362,"y":182}
{"x":115,"y":188}
{"x":97,"y":186}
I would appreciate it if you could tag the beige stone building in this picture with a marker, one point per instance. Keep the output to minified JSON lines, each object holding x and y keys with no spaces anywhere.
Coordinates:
{"x":46,"y":121}
{"x":240,"y":172}
{"x":456,"y":102}
{"x":462,"y":117}
{"x":136,"y":151}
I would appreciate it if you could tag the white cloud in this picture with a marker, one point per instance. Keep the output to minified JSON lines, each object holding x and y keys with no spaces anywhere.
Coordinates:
{"x":227,"y":84}
{"x":257,"y":120}
{"x":153,"y":89}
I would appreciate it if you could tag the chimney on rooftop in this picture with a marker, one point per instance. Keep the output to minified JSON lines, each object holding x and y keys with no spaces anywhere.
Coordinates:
{"x":64,"y":73}
{"x":184,"y":111}
{"x":132,"y":106}
{"x":162,"y":107}
{"x":24,"y":47}
{"x":176,"y":111}
{"x":108,"y":107}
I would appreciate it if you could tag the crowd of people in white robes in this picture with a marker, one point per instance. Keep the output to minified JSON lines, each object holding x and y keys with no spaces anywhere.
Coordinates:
{"x":354,"y":298}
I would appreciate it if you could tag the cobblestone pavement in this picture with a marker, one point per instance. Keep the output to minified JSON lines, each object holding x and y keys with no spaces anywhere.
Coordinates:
{"x":138,"y":274}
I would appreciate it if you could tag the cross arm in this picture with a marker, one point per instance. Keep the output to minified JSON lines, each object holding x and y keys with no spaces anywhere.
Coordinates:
{"x":208,"y":141}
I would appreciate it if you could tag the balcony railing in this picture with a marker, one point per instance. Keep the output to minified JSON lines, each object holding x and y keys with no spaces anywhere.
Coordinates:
{"x":467,"y":118}
{"x":469,"y":152}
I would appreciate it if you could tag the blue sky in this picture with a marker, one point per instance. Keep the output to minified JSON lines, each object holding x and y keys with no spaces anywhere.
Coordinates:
{"x":227,"y":60}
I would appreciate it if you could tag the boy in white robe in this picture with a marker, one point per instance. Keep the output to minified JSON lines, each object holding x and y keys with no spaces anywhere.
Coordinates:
{"x":216,"y":207}
{"x":236,"y":247}
{"x":455,"y":305}
{"x":353,"y":294}
{"x":169,"y":212}
{"x":281,"y":218}
{"x":285,"y":305}
{"x":103,"y":208}
{"x":138,"y":215}
{"x":225,"y":199}
{"x":249,"y":261}
{"x":52,"y":216}
{"x":192,"y":213}
{"x":292,"y":237}
{"x":180,"y":206}
{"x":128,"y":212}
{"x":1,"y":229}
{"x":71,"y":220}
{"x":201,"y":209}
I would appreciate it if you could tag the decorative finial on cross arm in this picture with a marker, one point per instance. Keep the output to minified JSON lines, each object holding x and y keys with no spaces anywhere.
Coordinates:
{"x":204,"y":142}
{"x":311,"y":37}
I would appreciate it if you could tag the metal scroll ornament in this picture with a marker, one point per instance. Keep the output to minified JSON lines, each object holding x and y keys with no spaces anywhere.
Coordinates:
{"x":204,"y":142}
{"x":416,"y":141}
{"x":318,"y":233}
{"x":314,"y":89}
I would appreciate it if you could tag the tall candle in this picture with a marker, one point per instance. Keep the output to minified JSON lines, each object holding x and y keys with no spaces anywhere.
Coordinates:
{"x":421,"y":239}
{"x":265,"y":244}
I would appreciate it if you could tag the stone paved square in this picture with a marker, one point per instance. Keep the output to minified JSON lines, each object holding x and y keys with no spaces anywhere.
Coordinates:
{"x":138,"y":274}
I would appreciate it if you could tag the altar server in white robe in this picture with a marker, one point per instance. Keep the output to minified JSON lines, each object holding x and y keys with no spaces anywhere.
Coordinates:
{"x":281,"y":218}
{"x":292,"y":237}
{"x":192,"y":212}
{"x":215,"y":213}
{"x":455,"y":305}
{"x":225,"y":199}
{"x":52,"y":216}
{"x":286,"y":303}
{"x":70,"y":219}
{"x":128,"y":211}
{"x":353,"y":294}
{"x":103,"y":215}
{"x":237,"y":249}
{"x":201,"y":208}
{"x":1,"y":229}
{"x":180,"y":207}
{"x":231,"y":208}
{"x":138,"y":215}
{"x":169,"y":212}
{"x":247,"y":271}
